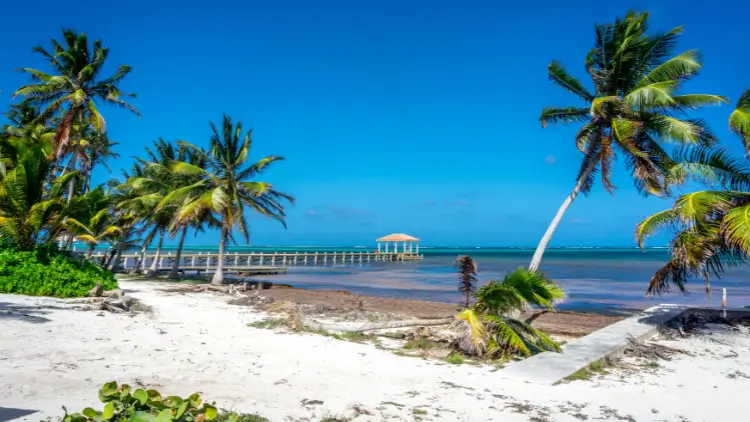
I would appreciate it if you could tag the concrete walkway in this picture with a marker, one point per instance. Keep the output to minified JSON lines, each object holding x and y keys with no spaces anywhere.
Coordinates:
{"x":548,"y":368}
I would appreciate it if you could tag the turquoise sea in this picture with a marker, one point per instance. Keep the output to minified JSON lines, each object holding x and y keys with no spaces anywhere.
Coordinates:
{"x":596,"y":279}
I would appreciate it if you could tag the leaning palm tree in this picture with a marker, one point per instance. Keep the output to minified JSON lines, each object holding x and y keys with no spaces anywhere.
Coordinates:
{"x":633,"y":109}
{"x":74,"y":88}
{"x":711,"y":227}
{"x":227,"y":186}
{"x":467,"y":277}
{"x":489,"y":331}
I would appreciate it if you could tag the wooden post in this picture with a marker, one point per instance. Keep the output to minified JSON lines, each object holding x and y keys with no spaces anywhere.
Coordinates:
{"x":261,"y":258}
{"x":236,"y":260}
{"x":208,"y":262}
{"x":295,"y":257}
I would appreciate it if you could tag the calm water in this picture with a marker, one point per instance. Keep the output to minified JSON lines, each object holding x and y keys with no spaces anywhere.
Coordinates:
{"x":602,"y":280}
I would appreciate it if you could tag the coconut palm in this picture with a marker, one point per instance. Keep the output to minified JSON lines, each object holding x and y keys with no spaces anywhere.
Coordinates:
{"x":467,"y":276}
{"x":75,"y":86}
{"x":632,"y":110}
{"x":712,"y":227}
{"x":28,"y":204}
{"x":487,"y":328}
{"x":96,"y":149}
{"x":96,"y":221}
{"x":739,"y":120}
{"x":227,"y":186}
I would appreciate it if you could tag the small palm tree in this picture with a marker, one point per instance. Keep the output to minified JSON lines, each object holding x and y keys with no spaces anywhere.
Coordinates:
{"x":633,"y":110}
{"x":227,"y":187}
{"x":467,"y":276}
{"x":75,"y":86}
{"x":98,"y":223}
{"x":489,"y":332}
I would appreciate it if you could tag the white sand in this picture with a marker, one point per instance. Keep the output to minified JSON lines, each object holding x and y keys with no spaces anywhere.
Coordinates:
{"x":59,"y":356}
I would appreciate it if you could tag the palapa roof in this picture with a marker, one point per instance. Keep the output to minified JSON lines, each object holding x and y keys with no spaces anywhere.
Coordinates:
{"x":398,"y":237}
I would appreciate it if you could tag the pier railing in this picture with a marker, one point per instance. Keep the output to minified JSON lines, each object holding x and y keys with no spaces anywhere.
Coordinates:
{"x":239,"y":261}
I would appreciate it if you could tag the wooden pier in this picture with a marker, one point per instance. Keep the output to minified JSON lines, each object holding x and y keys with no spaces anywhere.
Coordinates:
{"x":261,"y":262}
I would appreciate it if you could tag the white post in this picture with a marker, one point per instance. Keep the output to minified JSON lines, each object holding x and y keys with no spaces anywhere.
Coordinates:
{"x":378,"y":247}
{"x":236,"y":260}
{"x":417,"y":248}
{"x":261,"y":258}
{"x":208,"y":262}
{"x":386,"y":247}
{"x":192,"y":261}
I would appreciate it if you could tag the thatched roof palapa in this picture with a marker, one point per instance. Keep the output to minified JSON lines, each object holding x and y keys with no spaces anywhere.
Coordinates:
{"x":398,"y":237}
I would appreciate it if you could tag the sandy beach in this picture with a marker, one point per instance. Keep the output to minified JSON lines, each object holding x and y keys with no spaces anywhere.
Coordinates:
{"x":52,"y":354}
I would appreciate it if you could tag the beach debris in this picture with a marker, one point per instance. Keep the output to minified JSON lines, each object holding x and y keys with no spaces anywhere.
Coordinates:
{"x":651,"y":351}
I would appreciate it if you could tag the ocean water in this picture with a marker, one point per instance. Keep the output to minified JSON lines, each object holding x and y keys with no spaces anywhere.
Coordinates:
{"x":607,"y":280}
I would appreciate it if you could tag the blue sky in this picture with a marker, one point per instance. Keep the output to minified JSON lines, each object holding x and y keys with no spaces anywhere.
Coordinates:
{"x":394,"y":116}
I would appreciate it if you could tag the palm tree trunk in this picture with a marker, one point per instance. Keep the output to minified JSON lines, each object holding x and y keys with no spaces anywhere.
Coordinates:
{"x":142,"y":261}
{"x":537,"y":258}
{"x":173,"y":273}
{"x":219,"y":275}
{"x":90,"y":252}
{"x":152,"y":271}
{"x":72,"y":183}
{"x":115,"y":263}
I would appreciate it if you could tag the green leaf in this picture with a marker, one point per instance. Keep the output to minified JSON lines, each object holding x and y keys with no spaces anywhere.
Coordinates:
{"x":164,"y":416}
{"x":210,"y":412}
{"x":181,"y":410}
{"x":141,"y":416}
{"x":195,"y":399}
{"x":141,"y":396}
{"x":108,"y":412}
{"x":107,"y":391}
{"x":91,"y":414}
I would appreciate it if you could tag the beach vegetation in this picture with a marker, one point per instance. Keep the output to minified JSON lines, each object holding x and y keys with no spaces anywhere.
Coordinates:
{"x":455,"y":358}
{"x":45,"y":271}
{"x":122,"y":403}
{"x":489,"y":328}
{"x":632,"y":109}
{"x":467,"y":277}
{"x":422,"y":344}
{"x":711,"y":228}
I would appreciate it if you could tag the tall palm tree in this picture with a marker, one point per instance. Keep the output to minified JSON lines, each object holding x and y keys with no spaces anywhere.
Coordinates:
{"x":488,"y":331}
{"x":154,"y":182}
{"x":75,"y":86}
{"x":712,"y":227}
{"x":96,"y":150}
{"x":632,"y":110}
{"x":226,"y":186}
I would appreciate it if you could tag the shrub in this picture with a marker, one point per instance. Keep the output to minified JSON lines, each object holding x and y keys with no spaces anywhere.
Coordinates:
{"x":49,"y":272}
{"x":122,"y":404}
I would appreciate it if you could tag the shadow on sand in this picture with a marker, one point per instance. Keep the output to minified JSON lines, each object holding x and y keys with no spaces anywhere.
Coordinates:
{"x":9,"y":413}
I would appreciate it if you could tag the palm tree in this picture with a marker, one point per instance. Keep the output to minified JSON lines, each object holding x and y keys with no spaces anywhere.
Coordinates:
{"x":28,"y":205}
{"x":631,"y":111}
{"x":96,"y":150}
{"x":96,"y":222}
{"x":75,"y":87}
{"x":154,"y":181}
{"x":712,"y":227}
{"x":467,"y":276}
{"x":739,"y":120}
{"x":488,"y":331}
{"x":226,"y":186}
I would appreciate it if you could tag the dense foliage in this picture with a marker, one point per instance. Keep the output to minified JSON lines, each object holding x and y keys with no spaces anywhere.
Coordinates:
{"x":48,"y":272}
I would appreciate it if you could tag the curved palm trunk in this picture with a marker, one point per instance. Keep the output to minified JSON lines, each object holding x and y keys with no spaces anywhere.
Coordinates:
{"x":152,"y":271}
{"x":142,"y":260}
{"x":173,"y":273}
{"x":90,"y":252}
{"x":115,"y":264}
{"x":537,"y":258}
{"x":219,"y":275}
{"x":72,"y":183}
